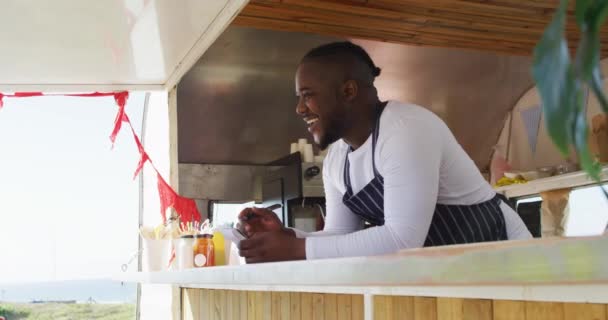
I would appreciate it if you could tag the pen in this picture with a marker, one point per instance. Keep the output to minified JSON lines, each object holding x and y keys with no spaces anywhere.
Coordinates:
{"x":274,"y":207}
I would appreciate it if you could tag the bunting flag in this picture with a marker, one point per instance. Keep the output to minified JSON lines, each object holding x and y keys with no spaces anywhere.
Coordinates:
{"x":121,"y":100}
{"x":185,"y":207}
{"x":170,"y":199}
{"x":531,"y":118}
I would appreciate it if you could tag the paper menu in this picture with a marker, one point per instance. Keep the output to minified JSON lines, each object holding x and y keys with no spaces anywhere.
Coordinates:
{"x":231,"y":234}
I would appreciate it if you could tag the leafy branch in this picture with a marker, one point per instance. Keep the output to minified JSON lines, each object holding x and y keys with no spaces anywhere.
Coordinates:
{"x":561,"y":83}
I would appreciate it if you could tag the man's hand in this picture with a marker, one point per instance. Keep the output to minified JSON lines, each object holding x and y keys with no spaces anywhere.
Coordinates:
{"x":253,"y":220}
{"x":270,"y":246}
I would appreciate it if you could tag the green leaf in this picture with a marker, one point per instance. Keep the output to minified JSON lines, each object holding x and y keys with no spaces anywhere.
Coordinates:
{"x":552,"y":73}
{"x":581,"y":142}
{"x":587,"y":54}
{"x":600,"y":13}
{"x":588,"y":64}
{"x":582,"y":7}
{"x":587,"y":69}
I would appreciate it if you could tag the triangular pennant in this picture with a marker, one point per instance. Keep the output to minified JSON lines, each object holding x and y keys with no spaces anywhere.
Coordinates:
{"x":185,"y":207}
{"x":142,"y":160}
{"x":121,"y":100}
{"x":531,"y":118}
{"x":166,"y":195}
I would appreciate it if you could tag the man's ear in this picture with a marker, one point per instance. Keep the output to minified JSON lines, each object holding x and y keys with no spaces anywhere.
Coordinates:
{"x":350,"y":90}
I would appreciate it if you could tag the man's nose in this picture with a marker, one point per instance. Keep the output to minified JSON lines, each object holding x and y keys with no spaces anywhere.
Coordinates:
{"x":301,"y":107}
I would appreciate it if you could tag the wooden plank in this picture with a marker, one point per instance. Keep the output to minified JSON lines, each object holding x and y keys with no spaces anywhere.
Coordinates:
{"x":450,"y":309}
{"x":224,"y":305}
{"x":383,"y":15}
{"x":383,"y":307}
{"x":403,"y":308}
{"x":226,"y":301}
{"x":508,"y":310}
{"x":544,"y":310}
{"x":244,"y":300}
{"x":259,"y":309}
{"x":318,"y":306}
{"x":212,"y":305}
{"x":275,"y":305}
{"x":344,"y":306}
{"x":330,"y":305}
{"x":285,"y":305}
{"x":232,"y":305}
{"x":219,"y":301}
{"x":205,"y":304}
{"x":190,"y":304}
{"x":251,"y":305}
{"x":306,"y":305}
{"x":358,"y":311}
{"x":514,"y":26}
{"x":280,"y":306}
{"x":185,"y":305}
{"x":425,"y":308}
{"x":194,"y":296}
{"x":406,"y":28}
{"x":295,"y":310}
{"x":477,"y":309}
{"x":585,"y":311}
{"x":266,"y":303}
{"x":533,"y":18}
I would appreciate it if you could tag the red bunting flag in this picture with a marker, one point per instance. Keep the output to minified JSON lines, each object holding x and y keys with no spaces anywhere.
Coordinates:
{"x":121,"y":100}
{"x":169,"y":198}
{"x":143,"y":158}
{"x":28,"y":94}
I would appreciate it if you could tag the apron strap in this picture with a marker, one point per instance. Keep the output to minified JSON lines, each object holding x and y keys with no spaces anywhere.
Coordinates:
{"x":375,"y":134}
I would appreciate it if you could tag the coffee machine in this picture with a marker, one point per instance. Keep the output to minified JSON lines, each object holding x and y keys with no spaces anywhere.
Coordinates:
{"x":298,"y":187}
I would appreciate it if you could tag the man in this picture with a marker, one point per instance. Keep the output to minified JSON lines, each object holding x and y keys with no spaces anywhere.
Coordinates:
{"x":395,"y":166}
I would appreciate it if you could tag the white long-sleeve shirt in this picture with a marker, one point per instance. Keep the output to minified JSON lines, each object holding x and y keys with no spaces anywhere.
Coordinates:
{"x":422,"y":165}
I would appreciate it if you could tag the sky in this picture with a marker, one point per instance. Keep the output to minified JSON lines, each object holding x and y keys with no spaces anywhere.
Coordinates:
{"x":68,"y":202}
{"x":589,"y":208}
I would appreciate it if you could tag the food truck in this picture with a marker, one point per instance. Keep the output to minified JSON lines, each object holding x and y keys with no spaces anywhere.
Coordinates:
{"x":220,"y":73}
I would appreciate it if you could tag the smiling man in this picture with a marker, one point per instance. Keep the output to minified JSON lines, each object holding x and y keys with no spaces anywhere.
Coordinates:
{"x":392,"y":165}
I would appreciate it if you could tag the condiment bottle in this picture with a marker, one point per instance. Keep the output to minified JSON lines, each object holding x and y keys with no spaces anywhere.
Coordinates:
{"x":219,"y":244}
{"x":184,"y":252}
{"x":203,"y":251}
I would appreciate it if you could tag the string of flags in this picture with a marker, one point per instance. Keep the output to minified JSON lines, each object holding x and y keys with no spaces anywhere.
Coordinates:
{"x":185,"y":207}
{"x":531,"y":117}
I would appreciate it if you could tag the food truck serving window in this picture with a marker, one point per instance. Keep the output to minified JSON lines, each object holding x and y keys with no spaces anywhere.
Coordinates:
{"x":69,"y":208}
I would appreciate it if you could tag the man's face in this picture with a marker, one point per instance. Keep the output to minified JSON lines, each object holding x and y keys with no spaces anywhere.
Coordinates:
{"x":319,"y":102}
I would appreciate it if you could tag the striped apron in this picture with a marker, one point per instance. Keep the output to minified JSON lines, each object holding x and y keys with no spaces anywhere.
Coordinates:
{"x":451,"y":224}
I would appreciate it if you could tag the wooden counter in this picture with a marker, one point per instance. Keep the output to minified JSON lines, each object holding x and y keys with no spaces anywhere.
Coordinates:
{"x":537,"y":279}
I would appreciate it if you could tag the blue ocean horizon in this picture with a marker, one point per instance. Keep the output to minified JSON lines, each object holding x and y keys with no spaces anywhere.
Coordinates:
{"x":100,"y":291}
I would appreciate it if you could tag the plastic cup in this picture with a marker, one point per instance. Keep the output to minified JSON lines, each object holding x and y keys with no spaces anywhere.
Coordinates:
{"x":156,"y":254}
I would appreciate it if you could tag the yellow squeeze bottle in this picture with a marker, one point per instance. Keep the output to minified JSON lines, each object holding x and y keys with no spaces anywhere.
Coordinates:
{"x":220,"y":248}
